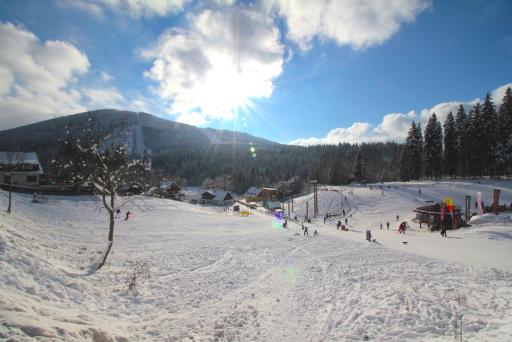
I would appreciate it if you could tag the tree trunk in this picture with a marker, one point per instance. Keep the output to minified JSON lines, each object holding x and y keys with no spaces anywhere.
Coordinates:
{"x":10,"y":195}
{"x":111,"y":225}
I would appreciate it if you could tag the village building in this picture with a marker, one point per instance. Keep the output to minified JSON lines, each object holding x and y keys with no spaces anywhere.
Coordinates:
{"x":255,"y":194}
{"x":170,"y":189}
{"x":272,"y":205}
{"x":430,"y":216}
{"x":130,"y":189}
{"x":217,"y":197}
{"x":21,"y":169}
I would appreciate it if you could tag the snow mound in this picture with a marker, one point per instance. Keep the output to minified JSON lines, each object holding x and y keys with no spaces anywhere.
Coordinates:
{"x":490,"y":218}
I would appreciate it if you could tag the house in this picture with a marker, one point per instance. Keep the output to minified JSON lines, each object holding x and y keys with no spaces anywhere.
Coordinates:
{"x":272,"y":205}
{"x":170,"y":189}
{"x":20,"y":168}
{"x":217,"y":197}
{"x":130,"y":189}
{"x":255,"y":194}
{"x":430,"y":215}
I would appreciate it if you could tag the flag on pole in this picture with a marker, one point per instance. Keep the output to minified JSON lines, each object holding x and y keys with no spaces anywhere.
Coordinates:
{"x":449,"y":204}
{"x":496,"y":201}
{"x":479,"y":203}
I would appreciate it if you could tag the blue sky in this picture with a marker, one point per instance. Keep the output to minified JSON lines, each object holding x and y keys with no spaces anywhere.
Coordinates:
{"x":290,"y":71}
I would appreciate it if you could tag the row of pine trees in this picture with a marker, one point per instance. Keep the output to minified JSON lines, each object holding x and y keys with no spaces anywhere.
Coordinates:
{"x":474,"y":144}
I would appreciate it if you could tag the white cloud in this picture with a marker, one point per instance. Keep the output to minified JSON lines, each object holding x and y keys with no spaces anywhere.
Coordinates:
{"x":499,"y":93}
{"x":224,"y":58}
{"x":84,"y":6}
{"x":105,"y":76}
{"x":103,"y":97}
{"x":359,"y":23}
{"x":37,"y":77}
{"x":394,"y":126}
{"x":193,"y":118}
{"x":133,"y":8}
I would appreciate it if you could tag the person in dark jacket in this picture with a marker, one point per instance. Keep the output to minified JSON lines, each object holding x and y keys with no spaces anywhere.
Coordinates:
{"x":368,"y":235}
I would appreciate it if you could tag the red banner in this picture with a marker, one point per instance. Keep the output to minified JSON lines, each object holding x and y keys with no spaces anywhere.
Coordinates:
{"x":496,"y":201}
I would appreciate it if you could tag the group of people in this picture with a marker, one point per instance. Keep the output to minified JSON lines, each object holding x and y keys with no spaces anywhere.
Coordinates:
{"x":387,"y":224}
{"x":341,"y":226}
{"x":402,"y":227}
{"x":306,"y":230}
{"x":118,"y":214}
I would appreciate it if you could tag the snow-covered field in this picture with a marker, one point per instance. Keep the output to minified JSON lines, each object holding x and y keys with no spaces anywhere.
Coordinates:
{"x":217,"y":276}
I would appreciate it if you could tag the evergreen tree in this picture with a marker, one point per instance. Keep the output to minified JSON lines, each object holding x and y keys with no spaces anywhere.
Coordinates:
{"x":461,"y":125}
{"x":417,"y":155}
{"x":476,"y":144}
{"x":359,"y":168}
{"x":433,"y":150}
{"x":489,"y":135}
{"x":450,"y":159}
{"x":406,"y":162}
{"x":505,"y":133}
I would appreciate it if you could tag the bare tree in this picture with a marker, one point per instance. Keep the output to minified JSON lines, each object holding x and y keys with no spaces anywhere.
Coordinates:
{"x":13,"y":160}
{"x":107,"y":167}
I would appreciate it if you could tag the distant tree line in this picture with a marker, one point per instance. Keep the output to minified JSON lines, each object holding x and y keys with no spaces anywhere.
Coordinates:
{"x":279,"y":167}
{"x":474,"y":144}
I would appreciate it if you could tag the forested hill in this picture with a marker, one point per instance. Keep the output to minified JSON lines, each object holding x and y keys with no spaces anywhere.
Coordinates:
{"x":146,"y":131}
{"x":195,"y":154}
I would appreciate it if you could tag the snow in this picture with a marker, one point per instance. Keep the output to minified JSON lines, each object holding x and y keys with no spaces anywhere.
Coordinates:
{"x":490,"y":218}
{"x":219,"y":276}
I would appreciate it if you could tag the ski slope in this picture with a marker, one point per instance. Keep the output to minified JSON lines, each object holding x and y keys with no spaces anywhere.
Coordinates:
{"x":216,"y":276}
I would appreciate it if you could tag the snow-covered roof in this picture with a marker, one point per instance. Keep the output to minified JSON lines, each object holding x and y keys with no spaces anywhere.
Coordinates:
{"x":220,"y":195}
{"x":22,"y":158}
{"x":164,"y":185}
{"x":252,"y":191}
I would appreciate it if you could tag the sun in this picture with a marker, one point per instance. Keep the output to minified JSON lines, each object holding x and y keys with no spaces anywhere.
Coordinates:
{"x":229,"y":86}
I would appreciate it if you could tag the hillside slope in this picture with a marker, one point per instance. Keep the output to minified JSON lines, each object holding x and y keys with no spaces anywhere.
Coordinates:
{"x":218,"y":276}
{"x":146,"y":131}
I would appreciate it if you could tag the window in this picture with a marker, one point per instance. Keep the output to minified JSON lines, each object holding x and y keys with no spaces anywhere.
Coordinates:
{"x":32,"y":179}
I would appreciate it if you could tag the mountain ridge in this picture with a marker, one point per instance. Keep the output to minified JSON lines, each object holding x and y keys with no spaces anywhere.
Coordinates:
{"x":146,"y":132}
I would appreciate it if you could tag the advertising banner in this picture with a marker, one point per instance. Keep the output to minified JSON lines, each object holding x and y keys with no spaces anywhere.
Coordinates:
{"x":468,"y":207}
{"x":479,"y":203}
{"x":496,"y":201}
{"x":448,"y":202}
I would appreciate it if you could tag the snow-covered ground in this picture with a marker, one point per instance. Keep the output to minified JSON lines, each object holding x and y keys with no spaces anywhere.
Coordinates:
{"x":218,"y":276}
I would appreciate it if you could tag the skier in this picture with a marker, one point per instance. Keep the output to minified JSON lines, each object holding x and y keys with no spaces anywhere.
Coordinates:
{"x":387,"y":224}
{"x":343,"y":227}
{"x":118,"y":213}
{"x":325,"y":218}
{"x":338,"y":225}
{"x":343,"y":212}
{"x":346,"y":221}
{"x":128,"y":213}
{"x":397,"y":217}
{"x":419,"y":191}
{"x":443,"y":231}
{"x":368,"y":235}
{"x":285,"y":224}
{"x":306,"y":231}
{"x":381,"y":226}
{"x":315,"y":233}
